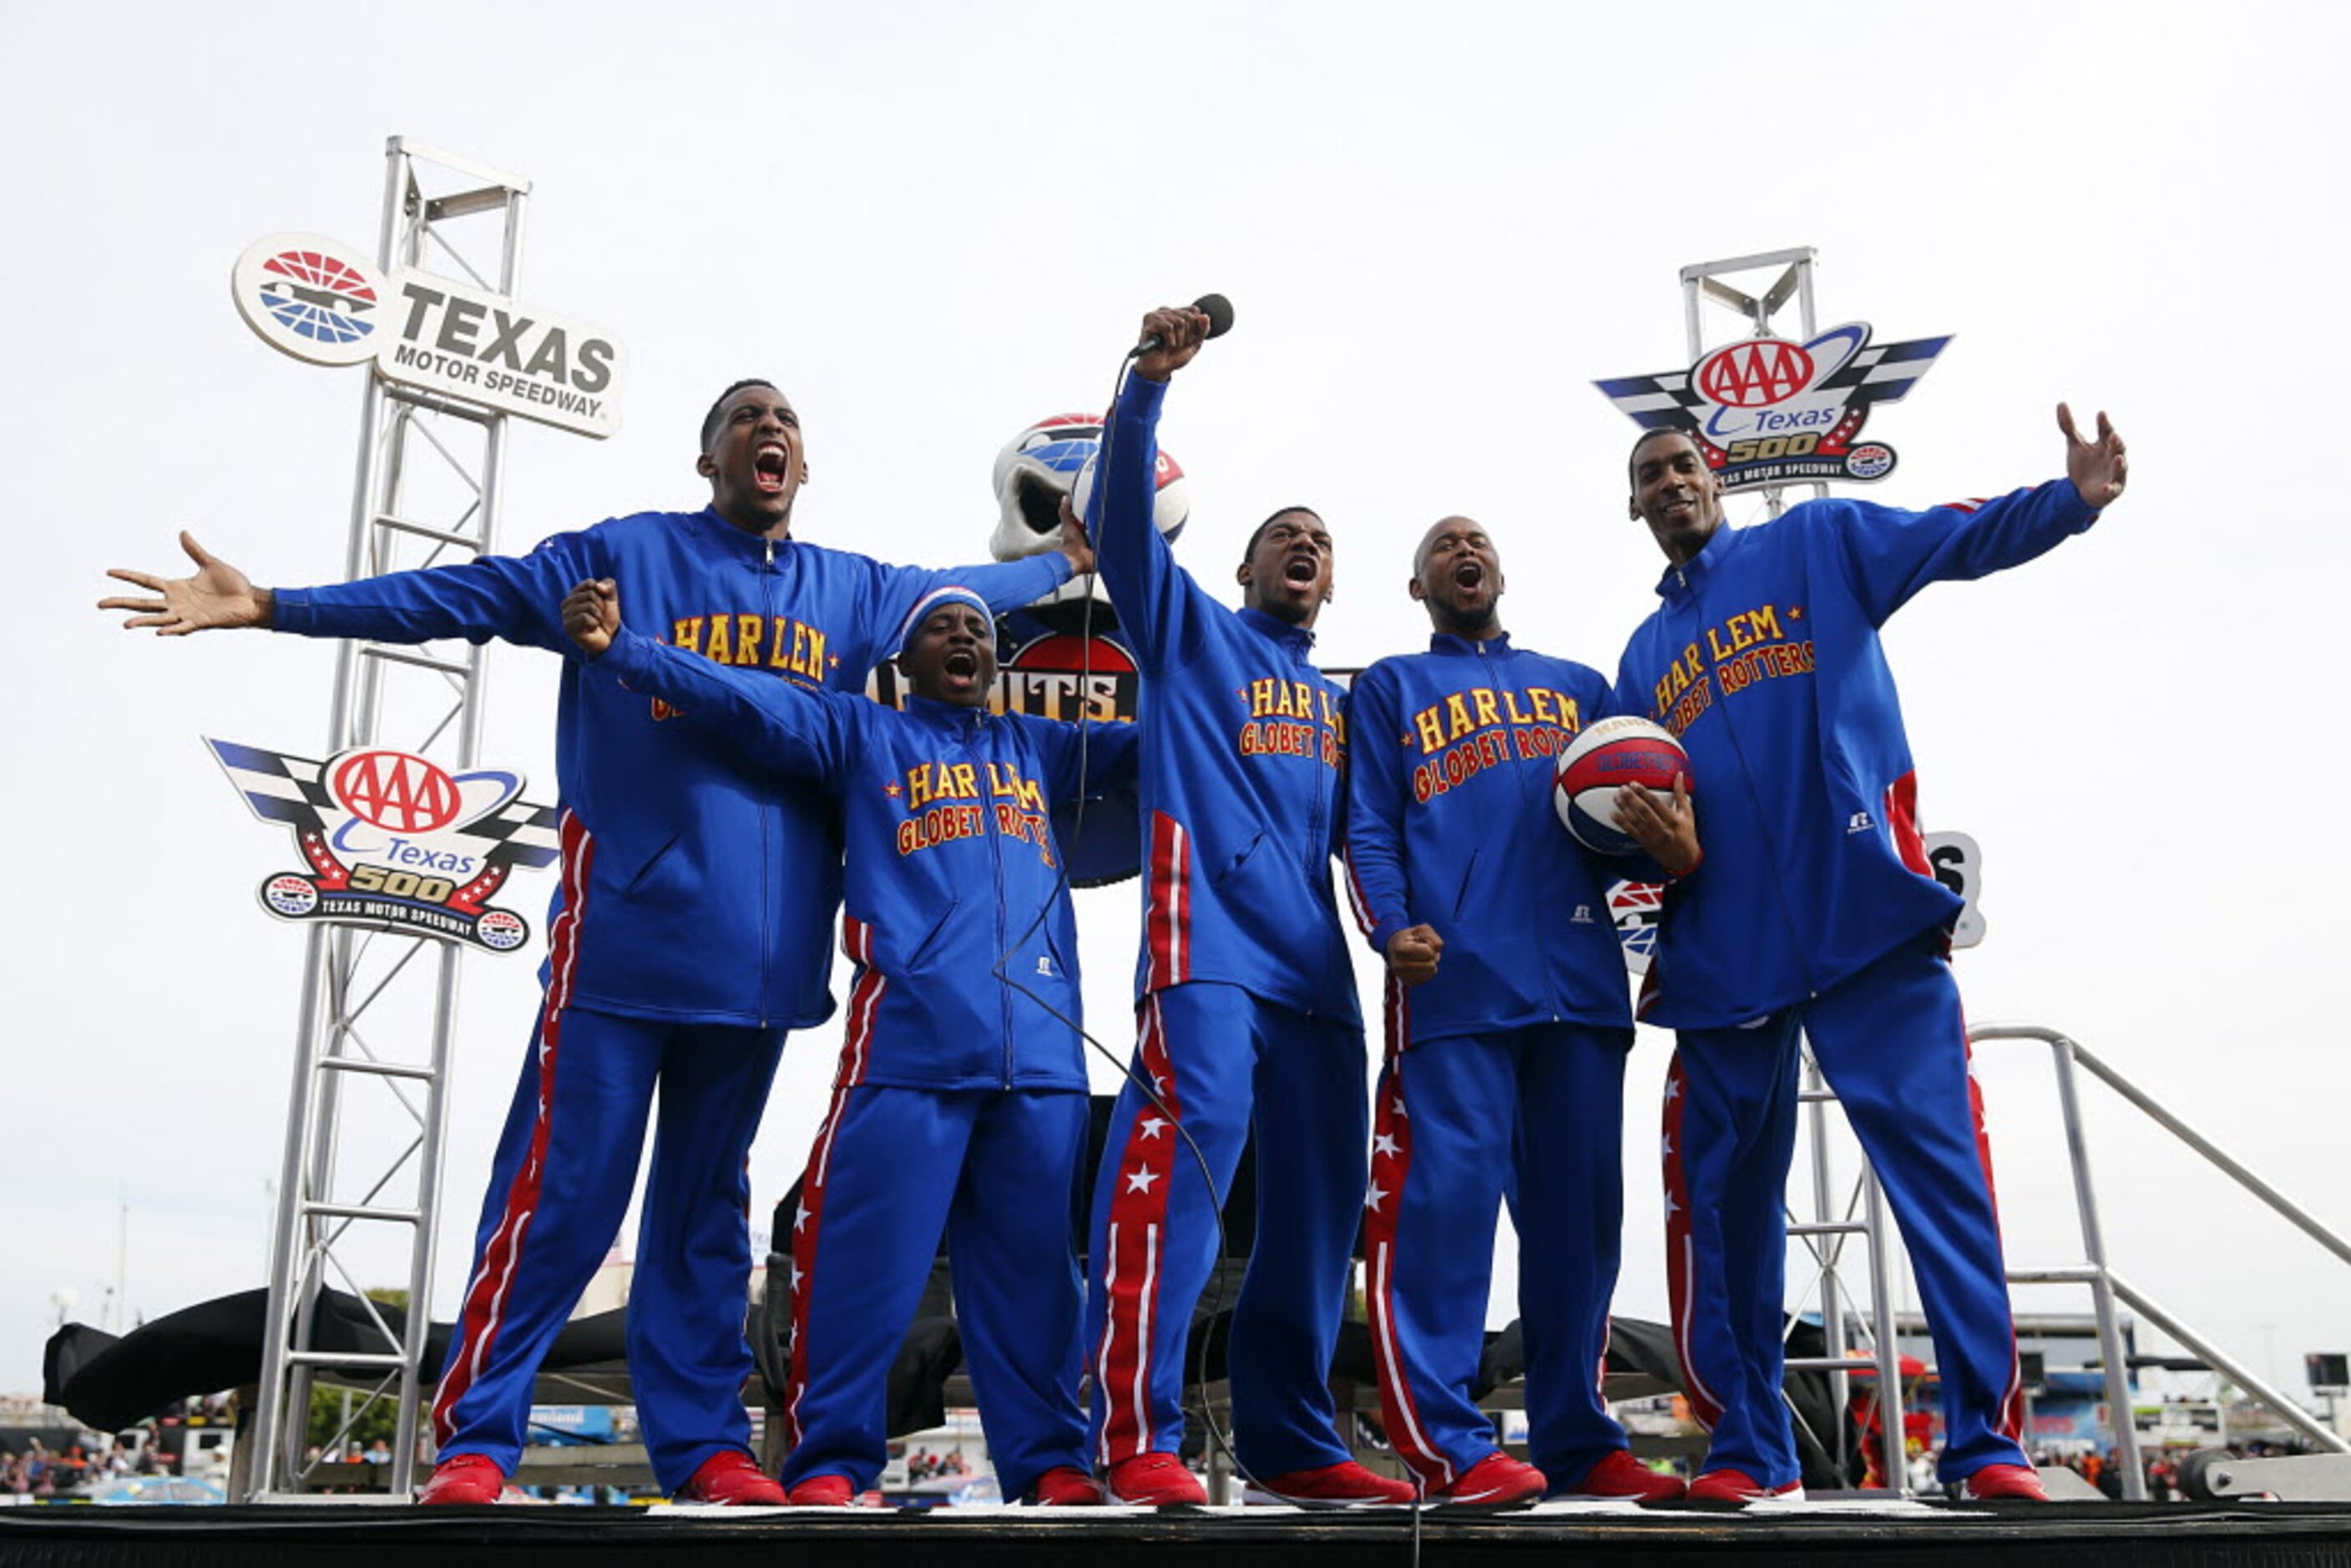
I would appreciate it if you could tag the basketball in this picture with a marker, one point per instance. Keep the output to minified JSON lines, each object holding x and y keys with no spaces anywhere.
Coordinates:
{"x":1611,"y":754}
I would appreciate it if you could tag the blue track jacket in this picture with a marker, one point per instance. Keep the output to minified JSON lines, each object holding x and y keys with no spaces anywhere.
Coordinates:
{"x":711,"y":884}
{"x":1764,"y":658}
{"x":951,"y":860}
{"x":1243,"y":749}
{"x":1450,"y":824}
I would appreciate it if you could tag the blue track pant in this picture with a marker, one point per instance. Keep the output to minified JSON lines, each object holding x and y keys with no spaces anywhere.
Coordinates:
{"x":1219,"y":1057}
{"x":1893,"y":1044}
{"x":1537,"y":1112}
{"x":558,"y":1189}
{"x":892,"y":1168}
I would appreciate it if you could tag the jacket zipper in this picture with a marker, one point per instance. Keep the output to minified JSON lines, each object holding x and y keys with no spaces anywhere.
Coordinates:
{"x":1003,"y":992}
{"x":769,"y":810}
{"x":1772,"y":853}
{"x":1494,"y":678}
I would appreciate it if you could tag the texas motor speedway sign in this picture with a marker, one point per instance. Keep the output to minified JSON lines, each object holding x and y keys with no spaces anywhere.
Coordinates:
{"x":1767,"y":411}
{"x":319,"y":299}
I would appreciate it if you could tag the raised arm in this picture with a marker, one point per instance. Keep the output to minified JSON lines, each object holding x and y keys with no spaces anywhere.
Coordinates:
{"x":509,"y":597}
{"x":1892,"y":554}
{"x":769,"y":719}
{"x":1005,"y":585}
{"x":1152,"y":594}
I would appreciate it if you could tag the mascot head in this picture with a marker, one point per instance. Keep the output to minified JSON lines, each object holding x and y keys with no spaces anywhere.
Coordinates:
{"x":1039,"y":467}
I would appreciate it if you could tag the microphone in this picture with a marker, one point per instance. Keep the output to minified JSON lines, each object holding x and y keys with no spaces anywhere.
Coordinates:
{"x":1215,"y":307}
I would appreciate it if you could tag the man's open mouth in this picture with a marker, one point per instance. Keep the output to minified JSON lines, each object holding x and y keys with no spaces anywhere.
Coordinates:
{"x":961,"y":662}
{"x":769,"y":468}
{"x":1298,"y":570}
{"x":1469,"y":573}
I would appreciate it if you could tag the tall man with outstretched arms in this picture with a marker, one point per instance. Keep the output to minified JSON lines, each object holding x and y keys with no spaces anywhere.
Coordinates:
{"x":689,"y":932}
{"x":1817,"y":911}
{"x":1246,"y":996}
{"x":1509,"y":1019}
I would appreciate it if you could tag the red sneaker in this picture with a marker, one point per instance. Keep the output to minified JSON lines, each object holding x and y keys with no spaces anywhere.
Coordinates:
{"x":2006,"y":1481}
{"x":1155,"y":1481}
{"x":1495,"y":1479}
{"x":1620,"y":1475}
{"x":1345,"y":1483}
{"x":468,"y":1478}
{"x":730,"y":1477}
{"x":822,"y":1491}
{"x":1065,"y":1486}
{"x":1738,"y":1486}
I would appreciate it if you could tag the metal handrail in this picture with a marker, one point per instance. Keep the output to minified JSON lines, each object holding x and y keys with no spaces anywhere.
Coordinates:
{"x":2106,"y":1286}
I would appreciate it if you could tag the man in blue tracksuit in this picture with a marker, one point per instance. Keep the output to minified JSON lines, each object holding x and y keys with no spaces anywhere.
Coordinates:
{"x":960,"y":1103}
{"x":688,"y":933}
{"x":1509,"y":1019}
{"x":1246,"y":997}
{"x":1815,"y":911}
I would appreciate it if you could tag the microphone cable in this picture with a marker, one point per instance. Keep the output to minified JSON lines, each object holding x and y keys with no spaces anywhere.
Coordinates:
{"x":1199,"y":1370}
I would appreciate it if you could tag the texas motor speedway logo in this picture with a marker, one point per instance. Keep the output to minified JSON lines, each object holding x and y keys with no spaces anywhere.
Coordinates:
{"x":1768,"y":411}
{"x":394,"y":841}
{"x":319,"y":299}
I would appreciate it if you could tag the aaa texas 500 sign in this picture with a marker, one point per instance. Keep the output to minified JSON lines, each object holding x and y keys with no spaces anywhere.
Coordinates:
{"x":320,"y":300}
{"x":393,"y":840}
{"x":1768,"y":411}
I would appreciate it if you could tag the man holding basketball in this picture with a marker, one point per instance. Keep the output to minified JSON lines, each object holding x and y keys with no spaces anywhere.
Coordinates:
{"x":1817,"y":911}
{"x":690,"y":930}
{"x":1507,"y":1034}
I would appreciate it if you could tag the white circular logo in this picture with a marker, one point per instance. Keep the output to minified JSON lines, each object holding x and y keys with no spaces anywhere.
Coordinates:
{"x":290,"y":895}
{"x":313,"y":298}
{"x":501,"y":931}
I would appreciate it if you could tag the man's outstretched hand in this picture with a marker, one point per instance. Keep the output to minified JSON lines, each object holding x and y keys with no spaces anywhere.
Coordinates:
{"x":2099,"y":468}
{"x":591,"y":615}
{"x":1664,"y":825}
{"x":217,"y":596}
{"x":1180,"y":330}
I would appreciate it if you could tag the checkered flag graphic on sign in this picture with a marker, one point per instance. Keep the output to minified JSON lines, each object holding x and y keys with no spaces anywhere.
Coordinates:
{"x":1655,"y":403}
{"x":1879,"y":372}
{"x":1885,"y":373}
{"x":281,"y":788}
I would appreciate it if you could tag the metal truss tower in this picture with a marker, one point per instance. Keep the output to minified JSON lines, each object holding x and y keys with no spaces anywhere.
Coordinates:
{"x":1861,"y":1215}
{"x":1702,"y":284}
{"x":378,"y":1009}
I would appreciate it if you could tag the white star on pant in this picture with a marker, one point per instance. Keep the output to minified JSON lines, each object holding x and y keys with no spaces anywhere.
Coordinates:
{"x":1153,"y":1125}
{"x":800,"y":1218}
{"x":1665,"y":1147}
{"x":1140,"y":1180}
{"x":1373,"y":1199}
{"x":1384,"y":1144}
{"x":1673,"y":1090}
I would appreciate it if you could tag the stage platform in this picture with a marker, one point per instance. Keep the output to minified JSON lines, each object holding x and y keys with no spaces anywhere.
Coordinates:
{"x":2008,"y":1535}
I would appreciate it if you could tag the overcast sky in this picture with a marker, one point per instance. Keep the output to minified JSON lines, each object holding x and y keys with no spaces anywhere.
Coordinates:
{"x":936,"y":224}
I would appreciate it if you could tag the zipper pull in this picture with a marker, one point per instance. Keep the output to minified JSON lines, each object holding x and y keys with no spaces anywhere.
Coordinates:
{"x":771,"y":552}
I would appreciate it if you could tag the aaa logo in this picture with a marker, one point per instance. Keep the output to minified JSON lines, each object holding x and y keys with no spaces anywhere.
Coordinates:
{"x":1769,"y":410}
{"x":394,"y":841}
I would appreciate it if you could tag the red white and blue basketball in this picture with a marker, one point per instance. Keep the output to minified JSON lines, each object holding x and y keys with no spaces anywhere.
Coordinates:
{"x":1603,"y":760}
